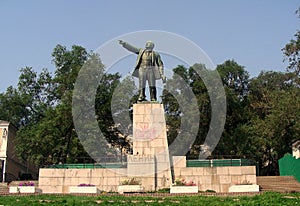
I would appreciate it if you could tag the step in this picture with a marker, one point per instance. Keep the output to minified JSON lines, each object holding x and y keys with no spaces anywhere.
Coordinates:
{"x":278,"y":183}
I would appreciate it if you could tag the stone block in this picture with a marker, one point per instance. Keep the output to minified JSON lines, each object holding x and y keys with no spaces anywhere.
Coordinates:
{"x":148,"y":181}
{"x":44,"y":180}
{"x":222,"y":170}
{"x":163,"y":157}
{"x":158,"y":142}
{"x":87,"y":173}
{"x":199,"y":171}
{"x":159,"y":118}
{"x":108,"y":173}
{"x":147,"y":109}
{"x":140,"y":165}
{"x":207,"y":180}
{"x":97,"y":172}
{"x":215,"y":179}
{"x":177,"y":171}
{"x":157,"y":108}
{"x":162,"y":166}
{"x":250,"y":178}
{"x":204,"y":187}
{"x":186,"y":171}
{"x":224,"y":187}
{"x":138,"y":109}
{"x":244,"y":188}
{"x":113,"y":181}
{"x":216,"y":187}
{"x":183,"y":189}
{"x":44,"y":172}
{"x":235,"y":179}
{"x":225,"y":179}
{"x":84,"y":190}
{"x":235,"y":170}
{"x":52,"y":189}
{"x":248,"y":170}
{"x":84,"y":180}
{"x":139,"y":118}
{"x":179,"y":161}
{"x":74,"y":181}
{"x":209,"y":170}
{"x":130,"y":188}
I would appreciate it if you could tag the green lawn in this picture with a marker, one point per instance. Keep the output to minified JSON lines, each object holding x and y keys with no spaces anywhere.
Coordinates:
{"x":263,"y":199}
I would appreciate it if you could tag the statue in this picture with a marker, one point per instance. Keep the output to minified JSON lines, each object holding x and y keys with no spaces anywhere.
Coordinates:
{"x":149,"y":67}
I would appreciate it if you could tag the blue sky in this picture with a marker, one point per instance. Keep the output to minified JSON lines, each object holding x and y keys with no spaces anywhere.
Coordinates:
{"x":250,"y":32}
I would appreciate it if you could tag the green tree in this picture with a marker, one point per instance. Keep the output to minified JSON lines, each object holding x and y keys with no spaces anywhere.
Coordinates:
{"x":291,"y":52}
{"x":52,"y":134}
{"x":274,"y":123}
{"x":235,"y":80}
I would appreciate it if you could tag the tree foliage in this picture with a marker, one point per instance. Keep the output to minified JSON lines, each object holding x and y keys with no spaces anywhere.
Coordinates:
{"x":41,"y":107}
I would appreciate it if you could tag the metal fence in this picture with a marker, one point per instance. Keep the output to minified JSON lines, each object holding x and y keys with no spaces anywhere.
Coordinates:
{"x":85,"y":162}
{"x":219,"y":162}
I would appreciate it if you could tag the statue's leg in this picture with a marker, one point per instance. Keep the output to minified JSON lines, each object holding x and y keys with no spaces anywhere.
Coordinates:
{"x":142,"y":84}
{"x":152,"y":87}
{"x":153,"y":93}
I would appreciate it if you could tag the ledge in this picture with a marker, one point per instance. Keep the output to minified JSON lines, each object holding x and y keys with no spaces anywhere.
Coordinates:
{"x":130,"y":188}
{"x":244,"y":188}
{"x":183,"y":189}
{"x":84,"y":190}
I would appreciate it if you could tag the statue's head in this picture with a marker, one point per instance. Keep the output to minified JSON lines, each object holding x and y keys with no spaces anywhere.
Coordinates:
{"x":149,"y":45}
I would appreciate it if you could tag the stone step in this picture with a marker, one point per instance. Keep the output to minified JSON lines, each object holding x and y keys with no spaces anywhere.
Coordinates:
{"x":278,"y":183}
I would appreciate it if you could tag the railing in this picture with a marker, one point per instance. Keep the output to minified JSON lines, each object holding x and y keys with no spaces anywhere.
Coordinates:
{"x":85,"y":162}
{"x":219,"y":163}
{"x":121,"y":162}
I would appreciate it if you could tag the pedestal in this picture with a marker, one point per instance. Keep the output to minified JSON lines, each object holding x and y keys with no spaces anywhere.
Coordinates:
{"x":150,"y":139}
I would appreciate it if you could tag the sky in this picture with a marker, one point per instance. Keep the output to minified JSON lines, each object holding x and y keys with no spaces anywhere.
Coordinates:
{"x":250,"y":32}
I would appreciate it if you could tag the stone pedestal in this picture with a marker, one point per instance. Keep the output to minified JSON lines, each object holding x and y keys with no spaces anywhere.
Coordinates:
{"x":142,"y":167}
{"x":150,"y":139}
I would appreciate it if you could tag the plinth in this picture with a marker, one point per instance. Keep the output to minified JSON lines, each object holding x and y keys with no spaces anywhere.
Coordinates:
{"x":150,"y":140}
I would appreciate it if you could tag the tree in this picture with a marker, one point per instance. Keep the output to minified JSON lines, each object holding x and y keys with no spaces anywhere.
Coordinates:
{"x":235,"y":80}
{"x":47,"y":131}
{"x":291,"y":52}
{"x":274,"y":124}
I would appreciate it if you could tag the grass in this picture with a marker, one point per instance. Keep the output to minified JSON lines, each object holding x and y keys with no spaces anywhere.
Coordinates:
{"x":268,"y":198}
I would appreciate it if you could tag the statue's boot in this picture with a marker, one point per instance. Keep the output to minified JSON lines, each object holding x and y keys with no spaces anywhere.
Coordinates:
{"x":153,"y":93}
{"x":142,"y":96}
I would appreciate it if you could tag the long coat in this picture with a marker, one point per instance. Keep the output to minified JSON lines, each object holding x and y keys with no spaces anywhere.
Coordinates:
{"x":156,"y":61}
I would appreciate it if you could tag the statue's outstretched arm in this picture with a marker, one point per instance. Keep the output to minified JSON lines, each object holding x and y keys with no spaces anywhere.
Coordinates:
{"x":129,"y":47}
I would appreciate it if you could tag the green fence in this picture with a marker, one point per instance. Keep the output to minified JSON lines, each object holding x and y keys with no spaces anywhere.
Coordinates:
{"x":289,"y":166}
{"x":87,"y":165}
{"x":219,"y":163}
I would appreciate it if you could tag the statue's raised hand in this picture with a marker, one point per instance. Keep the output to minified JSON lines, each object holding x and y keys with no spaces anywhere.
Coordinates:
{"x":121,"y":42}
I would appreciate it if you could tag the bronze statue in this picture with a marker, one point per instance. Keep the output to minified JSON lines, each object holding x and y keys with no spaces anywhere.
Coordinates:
{"x":149,"y":67}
